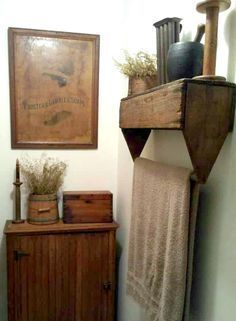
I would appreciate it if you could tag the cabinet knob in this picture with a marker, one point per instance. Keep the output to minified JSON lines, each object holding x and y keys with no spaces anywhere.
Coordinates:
{"x":19,"y":254}
{"x":107,"y":286}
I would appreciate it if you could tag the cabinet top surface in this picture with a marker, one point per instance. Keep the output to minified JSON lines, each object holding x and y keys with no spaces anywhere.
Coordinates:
{"x":60,"y":227}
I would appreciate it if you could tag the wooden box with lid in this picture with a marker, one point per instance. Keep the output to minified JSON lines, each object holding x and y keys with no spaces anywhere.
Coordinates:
{"x":87,"y":207}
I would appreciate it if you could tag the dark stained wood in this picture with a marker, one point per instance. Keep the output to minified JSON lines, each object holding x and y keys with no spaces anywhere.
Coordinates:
{"x":136,"y":140}
{"x":94,"y":301}
{"x":11,"y":277}
{"x":64,"y":275}
{"x":87,"y":207}
{"x":205,"y":115}
{"x":87,"y":195}
{"x":207,"y":123}
{"x":160,"y":107}
{"x":57,"y":228}
{"x":111,"y":277}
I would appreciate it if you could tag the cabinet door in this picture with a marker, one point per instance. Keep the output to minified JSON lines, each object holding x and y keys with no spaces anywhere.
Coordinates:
{"x":64,"y":277}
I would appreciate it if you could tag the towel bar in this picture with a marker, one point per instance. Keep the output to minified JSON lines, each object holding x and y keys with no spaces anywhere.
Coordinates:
{"x":193,"y":177}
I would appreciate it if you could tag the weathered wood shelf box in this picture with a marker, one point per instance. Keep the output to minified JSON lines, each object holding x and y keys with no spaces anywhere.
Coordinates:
{"x":202,"y":109}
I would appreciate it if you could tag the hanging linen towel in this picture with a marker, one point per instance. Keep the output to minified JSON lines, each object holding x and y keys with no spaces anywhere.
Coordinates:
{"x":161,"y":240}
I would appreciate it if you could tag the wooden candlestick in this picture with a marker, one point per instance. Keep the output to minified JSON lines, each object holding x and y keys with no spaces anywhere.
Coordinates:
{"x":17,"y":184}
{"x":212,"y":9}
{"x":17,"y":170}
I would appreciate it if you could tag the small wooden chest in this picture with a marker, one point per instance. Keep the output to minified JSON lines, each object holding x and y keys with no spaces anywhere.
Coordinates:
{"x":87,"y":207}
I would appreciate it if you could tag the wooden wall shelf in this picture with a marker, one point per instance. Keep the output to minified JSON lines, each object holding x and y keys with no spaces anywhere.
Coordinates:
{"x":202,"y":109}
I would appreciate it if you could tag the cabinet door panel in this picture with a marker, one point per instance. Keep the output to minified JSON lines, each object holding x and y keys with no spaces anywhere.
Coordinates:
{"x":92,"y":250}
{"x":62,"y":278}
{"x":36,"y":278}
{"x":28,"y":278}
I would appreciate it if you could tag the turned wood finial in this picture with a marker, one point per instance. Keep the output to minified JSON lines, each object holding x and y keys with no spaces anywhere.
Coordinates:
{"x":212,"y":9}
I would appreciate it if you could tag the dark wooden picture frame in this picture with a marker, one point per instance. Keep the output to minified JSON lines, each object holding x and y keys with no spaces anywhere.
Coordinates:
{"x":54,"y":89}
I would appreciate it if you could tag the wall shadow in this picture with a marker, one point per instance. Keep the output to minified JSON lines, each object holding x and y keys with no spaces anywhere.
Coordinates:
{"x":202,"y":307}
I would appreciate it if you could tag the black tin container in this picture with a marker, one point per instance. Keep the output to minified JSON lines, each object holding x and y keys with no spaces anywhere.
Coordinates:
{"x":167,"y":32}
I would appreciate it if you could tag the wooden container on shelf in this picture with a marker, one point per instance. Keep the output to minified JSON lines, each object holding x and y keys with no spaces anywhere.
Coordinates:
{"x":87,"y":207}
{"x":202,"y":109}
{"x":43,"y":209}
{"x":138,"y":84}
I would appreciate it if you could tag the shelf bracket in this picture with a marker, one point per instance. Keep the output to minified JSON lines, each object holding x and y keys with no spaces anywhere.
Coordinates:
{"x":136,"y":139}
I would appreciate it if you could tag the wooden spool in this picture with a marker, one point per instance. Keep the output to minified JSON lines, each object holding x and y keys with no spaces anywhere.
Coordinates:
{"x":212,"y":9}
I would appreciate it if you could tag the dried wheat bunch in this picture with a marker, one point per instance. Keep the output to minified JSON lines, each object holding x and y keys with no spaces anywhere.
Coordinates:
{"x":141,"y":65}
{"x":43,"y":176}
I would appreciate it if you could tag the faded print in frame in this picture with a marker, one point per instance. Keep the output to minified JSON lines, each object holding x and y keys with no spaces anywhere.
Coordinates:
{"x":53,"y":89}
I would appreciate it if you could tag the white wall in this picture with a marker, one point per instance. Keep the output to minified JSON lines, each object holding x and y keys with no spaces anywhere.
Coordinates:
{"x":214,"y":288}
{"x":87,"y":169}
{"x":128,"y":24}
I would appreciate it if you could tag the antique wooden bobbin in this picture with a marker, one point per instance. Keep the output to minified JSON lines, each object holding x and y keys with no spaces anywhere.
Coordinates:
{"x":212,"y":9}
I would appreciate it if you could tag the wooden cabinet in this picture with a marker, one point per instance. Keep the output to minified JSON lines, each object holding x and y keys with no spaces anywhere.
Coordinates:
{"x":61,"y":272}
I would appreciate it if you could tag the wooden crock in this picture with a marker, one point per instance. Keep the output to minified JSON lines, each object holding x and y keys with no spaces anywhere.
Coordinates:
{"x":138,"y":85}
{"x":42,"y":209}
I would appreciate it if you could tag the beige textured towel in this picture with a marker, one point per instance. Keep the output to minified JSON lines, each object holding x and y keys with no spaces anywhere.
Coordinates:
{"x":161,"y":240}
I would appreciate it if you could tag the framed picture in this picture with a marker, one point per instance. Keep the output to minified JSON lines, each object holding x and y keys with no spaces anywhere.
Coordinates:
{"x":53,"y":88}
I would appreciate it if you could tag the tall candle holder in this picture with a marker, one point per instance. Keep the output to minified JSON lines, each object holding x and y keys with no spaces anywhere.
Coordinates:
{"x":17,"y":184}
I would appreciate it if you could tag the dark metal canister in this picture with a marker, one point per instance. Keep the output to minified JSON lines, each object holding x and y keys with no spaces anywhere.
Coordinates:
{"x":167,"y":33}
{"x":185,"y":60}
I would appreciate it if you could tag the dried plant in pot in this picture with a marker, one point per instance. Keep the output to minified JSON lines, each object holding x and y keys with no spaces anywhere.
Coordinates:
{"x":43,"y":178}
{"x":141,"y":69}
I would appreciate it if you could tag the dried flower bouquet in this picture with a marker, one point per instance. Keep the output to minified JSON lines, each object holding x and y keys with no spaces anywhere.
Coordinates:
{"x":44,"y":175}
